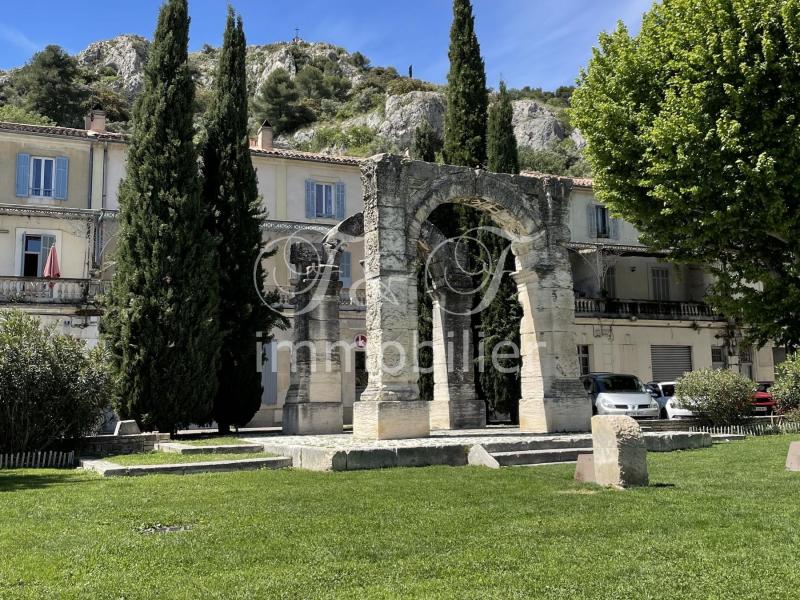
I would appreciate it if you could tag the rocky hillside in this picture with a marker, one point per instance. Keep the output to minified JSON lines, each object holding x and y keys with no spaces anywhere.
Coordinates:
{"x":379,"y":109}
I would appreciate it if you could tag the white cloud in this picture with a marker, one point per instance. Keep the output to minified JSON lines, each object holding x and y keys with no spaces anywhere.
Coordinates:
{"x":18,"y":39}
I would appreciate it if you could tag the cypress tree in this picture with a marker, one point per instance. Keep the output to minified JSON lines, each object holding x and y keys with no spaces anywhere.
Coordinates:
{"x":230,"y":191}
{"x":501,"y":144}
{"x":500,"y":320}
{"x":161,"y":323}
{"x":467,"y":100}
{"x":426,"y":143}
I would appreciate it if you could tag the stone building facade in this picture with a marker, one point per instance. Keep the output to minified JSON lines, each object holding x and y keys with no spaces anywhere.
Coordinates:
{"x":630,"y":310}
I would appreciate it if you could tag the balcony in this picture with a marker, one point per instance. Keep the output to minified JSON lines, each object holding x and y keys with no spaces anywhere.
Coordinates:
{"x":645,"y":309}
{"x":35,"y":290}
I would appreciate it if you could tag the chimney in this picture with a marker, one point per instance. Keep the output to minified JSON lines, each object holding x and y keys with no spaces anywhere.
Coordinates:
{"x":264,"y":139}
{"x":96,"y":121}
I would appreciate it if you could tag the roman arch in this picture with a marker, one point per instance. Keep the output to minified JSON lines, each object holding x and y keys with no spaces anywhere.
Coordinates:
{"x":399,"y":196}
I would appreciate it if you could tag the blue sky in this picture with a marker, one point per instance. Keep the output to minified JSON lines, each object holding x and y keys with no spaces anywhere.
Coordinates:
{"x":527,"y":42}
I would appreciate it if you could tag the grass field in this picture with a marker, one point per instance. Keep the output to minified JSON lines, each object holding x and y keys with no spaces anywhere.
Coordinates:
{"x":173,"y":458}
{"x":718,"y":523}
{"x":223,"y":440}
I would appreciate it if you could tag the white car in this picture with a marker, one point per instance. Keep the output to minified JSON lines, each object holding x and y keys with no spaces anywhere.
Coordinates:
{"x":615,"y":394}
{"x":671,"y":407}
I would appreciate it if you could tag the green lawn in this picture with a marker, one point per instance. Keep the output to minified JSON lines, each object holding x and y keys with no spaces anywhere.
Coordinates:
{"x":171,"y":458}
{"x":719,"y":523}
{"x":223,"y":440}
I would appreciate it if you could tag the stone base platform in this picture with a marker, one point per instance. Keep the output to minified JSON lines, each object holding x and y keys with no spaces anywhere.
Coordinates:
{"x":344,"y":452}
{"x":106,"y":468}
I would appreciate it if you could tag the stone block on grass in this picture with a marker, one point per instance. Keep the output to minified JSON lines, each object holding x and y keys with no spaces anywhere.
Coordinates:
{"x":584,"y":469}
{"x":620,"y":455}
{"x":793,"y":457}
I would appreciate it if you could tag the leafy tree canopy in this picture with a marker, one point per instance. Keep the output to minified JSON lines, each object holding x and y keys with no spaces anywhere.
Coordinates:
{"x":693,"y":137}
{"x":17,"y":114}
{"x":279,"y":103}
{"x":51,"y":85}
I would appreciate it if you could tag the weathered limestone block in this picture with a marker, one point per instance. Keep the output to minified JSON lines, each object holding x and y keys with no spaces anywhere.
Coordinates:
{"x":620,"y":455}
{"x":584,"y":469}
{"x":793,"y":457}
{"x":391,"y":420}
{"x":127,"y":428}
{"x":313,"y":401}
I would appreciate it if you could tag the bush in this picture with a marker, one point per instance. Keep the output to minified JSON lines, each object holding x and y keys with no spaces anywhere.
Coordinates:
{"x":404,"y":85}
{"x":786,"y":390}
{"x":51,"y":388}
{"x":721,"y":396}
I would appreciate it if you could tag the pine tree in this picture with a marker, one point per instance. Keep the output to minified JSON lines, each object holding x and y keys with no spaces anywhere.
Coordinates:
{"x":161,"y":321}
{"x":501,"y":144}
{"x":51,"y":85}
{"x":467,"y":100}
{"x":279,"y":102}
{"x":500,"y":320}
{"x":230,"y":191}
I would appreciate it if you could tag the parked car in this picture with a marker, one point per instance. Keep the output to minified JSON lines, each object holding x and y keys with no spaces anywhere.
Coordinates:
{"x":762,"y":401}
{"x":670,"y":407}
{"x":617,"y":394}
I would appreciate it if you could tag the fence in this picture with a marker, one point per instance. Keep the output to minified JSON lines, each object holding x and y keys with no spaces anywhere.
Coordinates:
{"x":754,"y":429}
{"x":50,"y":459}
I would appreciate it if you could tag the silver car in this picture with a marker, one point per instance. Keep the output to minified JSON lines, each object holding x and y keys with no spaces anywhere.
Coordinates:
{"x":618,"y":394}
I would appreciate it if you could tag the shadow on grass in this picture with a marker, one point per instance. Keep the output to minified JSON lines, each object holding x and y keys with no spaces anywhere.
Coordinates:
{"x":28,"y":479}
{"x":662,"y":485}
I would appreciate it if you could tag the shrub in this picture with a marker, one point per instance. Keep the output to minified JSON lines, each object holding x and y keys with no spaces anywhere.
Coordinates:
{"x":51,"y":388}
{"x":405,"y":85}
{"x":721,"y":396}
{"x":786,"y":390}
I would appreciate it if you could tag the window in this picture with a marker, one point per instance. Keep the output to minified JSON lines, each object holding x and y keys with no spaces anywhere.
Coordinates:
{"x":746,"y":362}
{"x":323,"y":194}
{"x":602,"y":224}
{"x":42,"y":177}
{"x":718,"y":358}
{"x":35,"y":249}
{"x":584,"y":360}
{"x":345,"y":269}
{"x":325,"y":200}
{"x":610,"y":282}
{"x":660,"y":276}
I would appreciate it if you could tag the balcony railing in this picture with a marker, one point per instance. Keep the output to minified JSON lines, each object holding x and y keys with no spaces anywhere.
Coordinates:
{"x":645,"y":309}
{"x":35,"y":290}
{"x":353,"y":298}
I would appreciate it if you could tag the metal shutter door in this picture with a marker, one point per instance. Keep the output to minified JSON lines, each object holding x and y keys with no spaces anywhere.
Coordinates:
{"x":670,"y":362}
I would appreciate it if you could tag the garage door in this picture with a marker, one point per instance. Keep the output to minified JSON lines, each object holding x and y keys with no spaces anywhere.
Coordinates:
{"x":670,"y":362}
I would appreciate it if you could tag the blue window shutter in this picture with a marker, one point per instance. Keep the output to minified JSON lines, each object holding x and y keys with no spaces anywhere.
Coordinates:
{"x":340,"y":200}
{"x":344,"y":270}
{"x":48,"y":241}
{"x":62,"y":177}
{"x":614,"y":228}
{"x":591,"y":218}
{"x":23,"y":174}
{"x":311,"y":205}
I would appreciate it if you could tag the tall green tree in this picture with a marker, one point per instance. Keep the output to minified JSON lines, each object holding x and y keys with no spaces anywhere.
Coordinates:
{"x":692,"y":132}
{"x":467,"y":99}
{"x":230,"y":191}
{"x":426,"y":143}
{"x":51,"y":85}
{"x":464,"y":133}
{"x":499,"y":321}
{"x":501,"y":143}
{"x":161,"y":321}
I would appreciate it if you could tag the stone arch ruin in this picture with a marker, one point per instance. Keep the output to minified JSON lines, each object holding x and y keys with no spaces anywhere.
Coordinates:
{"x":399,"y":196}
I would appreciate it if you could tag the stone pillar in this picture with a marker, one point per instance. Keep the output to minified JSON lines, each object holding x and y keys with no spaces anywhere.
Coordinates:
{"x":620,"y":455}
{"x":389,"y":407}
{"x":456,"y":404}
{"x":553,"y":398}
{"x":314,"y":398}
